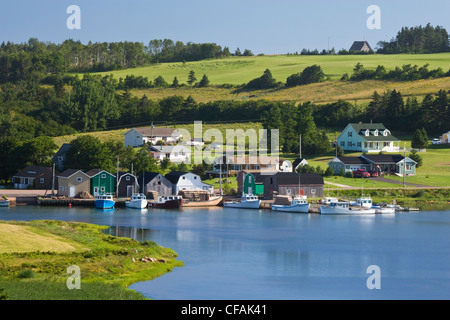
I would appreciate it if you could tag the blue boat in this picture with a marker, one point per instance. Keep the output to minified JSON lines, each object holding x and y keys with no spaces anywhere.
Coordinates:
{"x":104,"y":201}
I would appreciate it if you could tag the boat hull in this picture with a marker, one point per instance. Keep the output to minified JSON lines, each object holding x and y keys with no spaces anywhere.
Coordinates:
{"x":168,"y":204}
{"x":299,"y":208}
{"x":244,"y":205}
{"x":136,"y":204}
{"x":345,"y":211}
{"x":209,"y":203}
{"x":4,"y":203}
{"x":104,"y":204}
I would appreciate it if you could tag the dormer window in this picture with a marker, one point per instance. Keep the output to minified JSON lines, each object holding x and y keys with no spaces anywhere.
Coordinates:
{"x":367,"y":133}
{"x":385,"y":132}
{"x":375,"y":133}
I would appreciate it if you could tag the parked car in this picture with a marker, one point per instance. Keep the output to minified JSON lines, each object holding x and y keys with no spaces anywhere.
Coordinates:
{"x":361,"y":173}
{"x":436,"y":141}
{"x":373,"y":173}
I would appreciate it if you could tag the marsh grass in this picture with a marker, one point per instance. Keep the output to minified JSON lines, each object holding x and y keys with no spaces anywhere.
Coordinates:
{"x":108,"y":264}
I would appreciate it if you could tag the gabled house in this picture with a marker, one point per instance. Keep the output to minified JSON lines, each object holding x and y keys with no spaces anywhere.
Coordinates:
{"x":368,"y":137}
{"x":36,"y":177}
{"x":360,"y":46}
{"x":349,"y":164}
{"x":60,"y":156}
{"x":391,"y":163}
{"x":187,"y":181}
{"x":127,"y":184}
{"x":155,"y":182}
{"x":299,"y":162}
{"x":102,"y":182}
{"x":250,"y":183}
{"x":233,"y":165}
{"x":72,"y":182}
{"x":445,"y":138}
{"x":385,"y":163}
{"x":137,"y":137}
{"x":293,"y":184}
{"x":175,"y":154}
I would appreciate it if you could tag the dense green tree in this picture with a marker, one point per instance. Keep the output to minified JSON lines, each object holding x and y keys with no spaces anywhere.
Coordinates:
{"x":88,"y":152}
{"x":191,"y":78}
{"x":204,"y":82}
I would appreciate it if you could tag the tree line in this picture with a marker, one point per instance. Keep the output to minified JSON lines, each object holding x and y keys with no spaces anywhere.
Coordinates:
{"x":37,"y":60}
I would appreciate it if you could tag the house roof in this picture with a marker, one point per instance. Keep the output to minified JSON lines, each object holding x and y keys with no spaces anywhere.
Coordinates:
{"x":292,"y":178}
{"x":385,"y":158}
{"x":350,"y":160}
{"x":174,"y":176}
{"x":70,"y":172}
{"x":123,"y":174}
{"x":32,"y":171}
{"x":168,"y":149}
{"x":155,"y":132}
{"x":358,"y":45}
{"x":149,"y":176}
{"x":361,"y":128}
{"x":259,"y":177}
{"x":94,"y":172}
{"x":298,"y":161}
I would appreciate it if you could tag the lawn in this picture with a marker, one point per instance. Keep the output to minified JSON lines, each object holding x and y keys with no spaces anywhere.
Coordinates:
{"x":239,"y":70}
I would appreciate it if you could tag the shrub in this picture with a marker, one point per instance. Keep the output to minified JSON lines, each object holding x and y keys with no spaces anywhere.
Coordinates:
{"x":26,"y":274}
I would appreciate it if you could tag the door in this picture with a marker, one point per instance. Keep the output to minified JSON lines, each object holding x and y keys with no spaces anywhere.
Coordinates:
{"x":95,"y":191}
{"x":72,"y":191}
{"x":130,"y":191}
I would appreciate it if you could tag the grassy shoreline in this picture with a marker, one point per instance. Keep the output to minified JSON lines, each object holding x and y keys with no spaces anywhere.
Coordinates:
{"x":108,"y":264}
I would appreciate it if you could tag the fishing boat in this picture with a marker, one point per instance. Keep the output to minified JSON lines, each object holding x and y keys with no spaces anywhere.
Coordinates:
{"x":344,"y":208}
{"x":104,"y":201}
{"x":4,"y":203}
{"x":363,"y":202}
{"x":248,"y":201}
{"x":137,"y":201}
{"x":167,"y":202}
{"x":213,"y":201}
{"x":298,"y":204}
{"x":383,"y":209}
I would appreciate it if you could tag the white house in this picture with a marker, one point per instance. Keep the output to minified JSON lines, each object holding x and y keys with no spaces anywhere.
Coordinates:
{"x":188,"y":181}
{"x":445,"y":138}
{"x":175,"y":154}
{"x":367,"y":137}
{"x":137,"y":137}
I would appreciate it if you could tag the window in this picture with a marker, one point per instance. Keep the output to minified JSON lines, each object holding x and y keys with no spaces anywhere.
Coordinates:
{"x":349,"y":133}
{"x":349,"y":143}
{"x":367,"y":133}
{"x":313,"y":191}
{"x":128,"y":178}
{"x":408,"y":167}
{"x":184,"y":178}
{"x":79,"y":179}
{"x":358,"y":144}
{"x":386,"y":144}
{"x":288,"y":191}
{"x":41,"y":180}
{"x":60,"y":158}
{"x":256,"y":167}
{"x":103,"y":176}
{"x":102,"y":189}
{"x":195,"y":177}
{"x":375,"y":133}
{"x":342,"y":143}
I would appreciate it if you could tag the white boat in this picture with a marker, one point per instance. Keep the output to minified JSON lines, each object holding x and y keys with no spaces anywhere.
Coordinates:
{"x":383,"y":210}
{"x":328,"y":200}
{"x":344,"y":208}
{"x":4,"y":203}
{"x":298,"y":204}
{"x":137,"y":201}
{"x":247,"y":201}
{"x":363,"y":202}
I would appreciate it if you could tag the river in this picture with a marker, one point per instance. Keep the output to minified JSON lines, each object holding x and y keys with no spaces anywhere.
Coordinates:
{"x":263,"y":255}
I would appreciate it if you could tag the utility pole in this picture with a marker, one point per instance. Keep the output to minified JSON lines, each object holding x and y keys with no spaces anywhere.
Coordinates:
{"x":404,"y":164}
{"x":117,"y":179}
{"x":53,"y":180}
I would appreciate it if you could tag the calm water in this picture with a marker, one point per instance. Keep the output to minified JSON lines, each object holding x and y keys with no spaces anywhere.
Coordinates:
{"x":250,"y":254}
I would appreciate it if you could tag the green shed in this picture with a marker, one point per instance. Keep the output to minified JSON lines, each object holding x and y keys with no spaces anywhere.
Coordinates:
{"x":251,"y":186}
{"x":101,"y":182}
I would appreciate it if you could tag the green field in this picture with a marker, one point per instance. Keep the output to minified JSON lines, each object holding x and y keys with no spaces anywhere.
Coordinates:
{"x":239,"y":70}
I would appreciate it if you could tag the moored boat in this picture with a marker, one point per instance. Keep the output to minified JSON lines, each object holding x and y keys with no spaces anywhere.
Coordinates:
{"x":167,"y":202}
{"x":137,"y":201}
{"x":4,"y":203}
{"x":247,"y":201}
{"x":344,"y":208}
{"x":363,"y":202}
{"x":104,"y":201}
{"x":298,"y":204}
{"x":213,"y":201}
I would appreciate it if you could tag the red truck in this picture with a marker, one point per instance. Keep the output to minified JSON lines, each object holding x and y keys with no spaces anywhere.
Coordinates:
{"x":361,"y":173}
